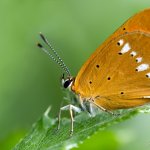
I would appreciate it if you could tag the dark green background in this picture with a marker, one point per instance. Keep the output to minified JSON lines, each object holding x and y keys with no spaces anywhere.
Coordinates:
{"x":30,"y":81}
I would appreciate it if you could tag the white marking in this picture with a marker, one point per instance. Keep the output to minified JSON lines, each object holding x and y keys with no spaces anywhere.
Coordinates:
{"x":142,"y":67}
{"x":148,"y":75}
{"x":121,"y":42}
{"x":146,"y":96}
{"x":125,"y":48}
{"x":144,"y":110}
{"x":70,"y":146}
{"x":67,"y":107}
{"x":133,"y":53}
{"x":139,"y":59}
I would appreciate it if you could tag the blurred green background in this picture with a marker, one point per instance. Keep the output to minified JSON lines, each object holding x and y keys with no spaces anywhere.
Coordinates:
{"x":30,"y":81}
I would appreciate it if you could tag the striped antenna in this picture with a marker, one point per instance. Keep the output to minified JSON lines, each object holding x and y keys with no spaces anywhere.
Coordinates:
{"x":59,"y":61}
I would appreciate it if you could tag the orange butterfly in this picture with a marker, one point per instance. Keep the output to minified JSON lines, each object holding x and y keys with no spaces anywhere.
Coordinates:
{"x":117,"y":75}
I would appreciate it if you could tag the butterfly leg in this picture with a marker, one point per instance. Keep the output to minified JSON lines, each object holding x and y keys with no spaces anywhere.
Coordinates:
{"x":102,"y":108}
{"x":108,"y":111}
{"x":71,"y":108}
{"x":89,"y":108}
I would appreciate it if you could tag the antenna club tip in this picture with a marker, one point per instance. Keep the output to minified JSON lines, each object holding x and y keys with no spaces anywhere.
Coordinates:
{"x":39,"y":45}
{"x":43,"y":37}
{"x":40,"y":33}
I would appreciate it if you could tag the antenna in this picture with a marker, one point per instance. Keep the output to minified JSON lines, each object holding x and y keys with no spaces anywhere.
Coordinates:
{"x":50,"y":46}
{"x":59,"y":61}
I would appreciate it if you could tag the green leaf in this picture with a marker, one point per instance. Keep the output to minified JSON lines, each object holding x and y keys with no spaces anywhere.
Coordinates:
{"x":44,"y":136}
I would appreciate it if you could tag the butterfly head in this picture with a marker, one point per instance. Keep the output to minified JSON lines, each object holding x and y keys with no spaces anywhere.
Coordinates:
{"x":67,"y":81}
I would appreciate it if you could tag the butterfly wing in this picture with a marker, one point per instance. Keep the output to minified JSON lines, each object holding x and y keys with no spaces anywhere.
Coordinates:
{"x":123,"y":80}
{"x":118,"y":71}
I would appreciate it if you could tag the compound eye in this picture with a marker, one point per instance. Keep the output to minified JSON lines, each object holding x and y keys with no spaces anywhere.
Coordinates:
{"x":67,"y":83}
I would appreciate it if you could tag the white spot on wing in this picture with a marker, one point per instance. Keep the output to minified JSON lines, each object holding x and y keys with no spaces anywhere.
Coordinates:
{"x":121,"y":42}
{"x":138,"y":59}
{"x":133,"y":53}
{"x":146,"y":96}
{"x":125,"y":48}
{"x":142,"y":67}
{"x":148,"y":75}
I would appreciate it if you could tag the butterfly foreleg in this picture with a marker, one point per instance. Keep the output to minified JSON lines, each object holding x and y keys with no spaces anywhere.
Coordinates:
{"x":71,"y":108}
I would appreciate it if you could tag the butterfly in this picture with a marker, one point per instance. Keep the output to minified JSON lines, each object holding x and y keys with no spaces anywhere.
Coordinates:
{"x":117,"y":74}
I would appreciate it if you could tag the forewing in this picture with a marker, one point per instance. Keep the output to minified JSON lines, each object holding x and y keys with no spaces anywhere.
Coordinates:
{"x":126,"y":69}
{"x":107,"y":73}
